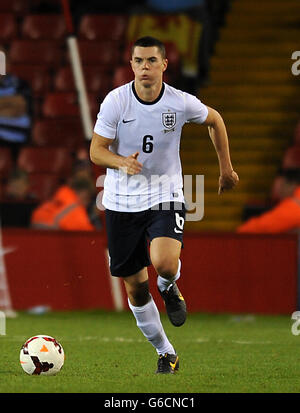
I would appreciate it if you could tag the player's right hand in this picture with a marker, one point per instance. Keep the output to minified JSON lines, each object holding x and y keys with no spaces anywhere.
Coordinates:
{"x":131,"y":165}
{"x":228,"y":181}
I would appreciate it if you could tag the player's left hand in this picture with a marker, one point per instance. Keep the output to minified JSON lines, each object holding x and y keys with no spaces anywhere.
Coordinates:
{"x":227,"y":181}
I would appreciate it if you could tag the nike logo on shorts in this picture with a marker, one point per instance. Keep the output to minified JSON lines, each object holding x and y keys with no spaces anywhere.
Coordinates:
{"x":126,"y":121}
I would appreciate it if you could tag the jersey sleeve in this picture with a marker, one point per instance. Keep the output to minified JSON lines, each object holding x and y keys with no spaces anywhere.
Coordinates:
{"x":107,"y":118}
{"x":195,"y":110}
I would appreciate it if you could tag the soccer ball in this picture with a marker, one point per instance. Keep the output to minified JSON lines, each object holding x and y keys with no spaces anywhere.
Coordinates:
{"x":42,"y":355}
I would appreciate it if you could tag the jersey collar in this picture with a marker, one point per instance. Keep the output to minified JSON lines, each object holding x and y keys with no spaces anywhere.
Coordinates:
{"x":149,"y":103}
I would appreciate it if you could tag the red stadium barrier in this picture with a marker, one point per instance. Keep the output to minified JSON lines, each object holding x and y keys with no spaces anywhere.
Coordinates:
{"x":63,"y":270}
{"x":235,"y":273}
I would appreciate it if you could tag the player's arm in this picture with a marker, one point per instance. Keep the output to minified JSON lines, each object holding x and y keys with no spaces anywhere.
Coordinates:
{"x":100,"y":154}
{"x":218,"y":134}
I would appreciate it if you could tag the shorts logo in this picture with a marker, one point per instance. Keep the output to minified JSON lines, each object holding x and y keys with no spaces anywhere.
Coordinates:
{"x":179,"y":223}
{"x":169,"y":120}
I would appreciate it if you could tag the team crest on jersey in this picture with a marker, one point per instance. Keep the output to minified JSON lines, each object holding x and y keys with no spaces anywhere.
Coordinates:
{"x":169,"y":120}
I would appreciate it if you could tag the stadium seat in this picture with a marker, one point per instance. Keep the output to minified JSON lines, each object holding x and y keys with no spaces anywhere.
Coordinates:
{"x":291,"y":158}
{"x":65,"y":105}
{"x":8,"y":27}
{"x":6,"y":162}
{"x":58,"y":132}
{"x":122,"y":75}
{"x":43,"y":185}
{"x":18,"y":7}
{"x":64,"y":80}
{"x":36,"y":76}
{"x":103,"y":54}
{"x":45,"y":160}
{"x":103,"y":27}
{"x":44,"y":27}
{"x":96,"y":80}
{"x":42,"y":52}
{"x":60,"y":105}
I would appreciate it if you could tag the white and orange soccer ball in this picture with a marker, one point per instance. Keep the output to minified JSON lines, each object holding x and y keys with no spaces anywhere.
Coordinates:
{"x":42,"y":355}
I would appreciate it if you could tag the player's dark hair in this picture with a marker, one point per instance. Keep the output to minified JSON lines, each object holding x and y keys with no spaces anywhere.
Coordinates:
{"x":148,"y":41}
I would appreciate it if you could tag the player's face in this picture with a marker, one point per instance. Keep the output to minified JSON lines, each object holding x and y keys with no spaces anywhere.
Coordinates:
{"x":148,"y":65}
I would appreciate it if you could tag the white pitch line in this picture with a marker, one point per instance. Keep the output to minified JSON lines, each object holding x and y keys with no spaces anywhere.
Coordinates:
{"x":250,"y":342}
{"x":198,"y":340}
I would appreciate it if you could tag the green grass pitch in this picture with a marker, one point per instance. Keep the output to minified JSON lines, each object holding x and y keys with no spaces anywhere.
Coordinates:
{"x":106,"y":353}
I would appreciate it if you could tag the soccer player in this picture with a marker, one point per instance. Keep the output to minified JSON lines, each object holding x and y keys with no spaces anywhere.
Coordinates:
{"x":137,"y":138}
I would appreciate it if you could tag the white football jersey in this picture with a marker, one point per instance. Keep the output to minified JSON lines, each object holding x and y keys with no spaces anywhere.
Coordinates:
{"x":154,"y":130}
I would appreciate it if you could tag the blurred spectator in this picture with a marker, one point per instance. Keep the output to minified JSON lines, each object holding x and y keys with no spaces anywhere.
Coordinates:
{"x":82,"y":166}
{"x":17,"y":202}
{"x":15,"y":109}
{"x":93,"y":214}
{"x":17,"y":188}
{"x":285,"y":216}
{"x":67,"y":210}
{"x":83,"y":169}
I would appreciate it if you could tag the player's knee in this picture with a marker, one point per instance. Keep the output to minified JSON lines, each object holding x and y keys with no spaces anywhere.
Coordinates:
{"x":139,"y":294}
{"x":167,"y":268}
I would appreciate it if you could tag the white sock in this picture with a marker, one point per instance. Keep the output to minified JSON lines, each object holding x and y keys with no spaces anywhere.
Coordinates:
{"x":148,"y":320}
{"x":164,"y":283}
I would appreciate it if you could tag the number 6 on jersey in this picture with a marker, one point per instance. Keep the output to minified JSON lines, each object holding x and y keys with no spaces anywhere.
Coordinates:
{"x":147,"y":143}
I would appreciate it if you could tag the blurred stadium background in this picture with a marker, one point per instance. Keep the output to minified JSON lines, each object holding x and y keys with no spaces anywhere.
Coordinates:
{"x":235,"y":55}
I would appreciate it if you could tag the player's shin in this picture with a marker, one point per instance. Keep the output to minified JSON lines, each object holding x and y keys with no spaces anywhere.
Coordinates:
{"x":148,"y":320}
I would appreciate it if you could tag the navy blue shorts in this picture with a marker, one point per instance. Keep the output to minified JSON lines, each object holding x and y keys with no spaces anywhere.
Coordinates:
{"x":128,"y":235}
